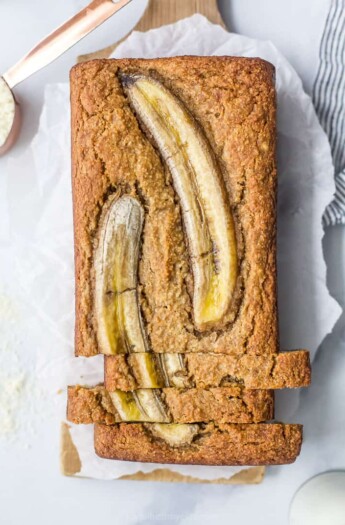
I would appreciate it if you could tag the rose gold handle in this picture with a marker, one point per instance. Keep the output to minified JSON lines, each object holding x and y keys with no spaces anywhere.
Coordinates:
{"x":62,"y":39}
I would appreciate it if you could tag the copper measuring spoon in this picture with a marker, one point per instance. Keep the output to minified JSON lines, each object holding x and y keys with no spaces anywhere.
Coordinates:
{"x":50,"y":48}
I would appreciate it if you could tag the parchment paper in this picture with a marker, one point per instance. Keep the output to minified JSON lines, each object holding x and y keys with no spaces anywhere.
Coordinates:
{"x":36,"y":248}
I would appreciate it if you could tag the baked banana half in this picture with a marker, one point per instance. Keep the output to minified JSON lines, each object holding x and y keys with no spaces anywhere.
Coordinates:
{"x":117,"y":312}
{"x":140,"y":405}
{"x":197,"y":180}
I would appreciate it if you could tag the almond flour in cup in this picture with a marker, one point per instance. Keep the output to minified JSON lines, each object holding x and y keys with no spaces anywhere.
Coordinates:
{"x":7,"y":112}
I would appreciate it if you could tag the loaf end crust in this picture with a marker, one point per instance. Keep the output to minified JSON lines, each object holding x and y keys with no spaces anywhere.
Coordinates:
{"x":243,"y":445}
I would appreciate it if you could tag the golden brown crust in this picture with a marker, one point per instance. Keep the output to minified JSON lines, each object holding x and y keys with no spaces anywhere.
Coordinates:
{"x":90,"y":405}
{"x":262,"y":444}
{"x":283,"y":370}
{"x":234,"y":101}
{"x":232,"y":404}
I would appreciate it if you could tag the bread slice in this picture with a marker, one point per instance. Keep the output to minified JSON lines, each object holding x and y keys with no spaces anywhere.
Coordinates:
{"x":283,"y":370}
{"x":206,"y":444}
{"x":224,"y":405}
{"x":232,"y":105}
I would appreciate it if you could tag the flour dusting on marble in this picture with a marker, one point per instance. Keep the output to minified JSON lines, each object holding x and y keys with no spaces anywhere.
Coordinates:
{"x":12,"y":390}
{"x":18,"y":389}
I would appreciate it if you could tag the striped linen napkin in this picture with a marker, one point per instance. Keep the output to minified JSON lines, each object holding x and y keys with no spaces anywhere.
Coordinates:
{"x":329,"y":101}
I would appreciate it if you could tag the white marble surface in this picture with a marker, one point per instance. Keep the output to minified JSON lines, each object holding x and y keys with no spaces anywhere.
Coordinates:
{"x":31,"y":488}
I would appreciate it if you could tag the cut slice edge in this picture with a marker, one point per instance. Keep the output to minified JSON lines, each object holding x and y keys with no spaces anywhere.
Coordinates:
{"x":274,"y":371}
{"x":169,"y":405}
{"x":211,"y":444}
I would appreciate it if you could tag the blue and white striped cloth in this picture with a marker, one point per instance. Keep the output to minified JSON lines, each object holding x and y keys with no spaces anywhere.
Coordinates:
{"x":329,"y":101}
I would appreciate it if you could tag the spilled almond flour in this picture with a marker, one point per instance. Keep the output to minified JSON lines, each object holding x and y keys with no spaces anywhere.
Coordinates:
{"x":12,"y":378}
{"x":17,"y":385}
{"x":12,"y":390}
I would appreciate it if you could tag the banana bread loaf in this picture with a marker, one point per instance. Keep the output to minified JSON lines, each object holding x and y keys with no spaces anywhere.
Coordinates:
{"x":174,"y":198}
{"x":203,"y":232}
